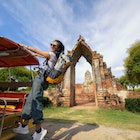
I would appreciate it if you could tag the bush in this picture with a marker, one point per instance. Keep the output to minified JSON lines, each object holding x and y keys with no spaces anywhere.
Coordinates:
{"x":133,"y":104}
{"x":137,"y":89}
{"x":46,"y":102}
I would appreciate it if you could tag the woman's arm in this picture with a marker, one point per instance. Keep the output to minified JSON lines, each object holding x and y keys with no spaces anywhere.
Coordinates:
{"x":38,"y":52}
{"x":35,"y":54}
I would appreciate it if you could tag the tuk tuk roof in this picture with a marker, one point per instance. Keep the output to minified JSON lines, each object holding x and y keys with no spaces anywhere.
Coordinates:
{"x":13,"y":54}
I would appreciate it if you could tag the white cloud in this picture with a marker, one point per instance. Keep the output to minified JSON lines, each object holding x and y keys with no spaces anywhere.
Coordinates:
{"x":81,"y":67}
{"x":116,"y":27}
{"x":118,"y":71}
{"x":109,"y":27}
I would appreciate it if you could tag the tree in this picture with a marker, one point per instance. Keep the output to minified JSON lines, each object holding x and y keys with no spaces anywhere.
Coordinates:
{"x":15,"y":74}
{"x":132,"y":64}
{"x":21,"y":74}
{"x":124,"y":80}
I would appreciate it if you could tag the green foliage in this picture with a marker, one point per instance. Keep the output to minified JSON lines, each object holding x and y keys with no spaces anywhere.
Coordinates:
{"x":21,"y":74}
{"x":133,"y":105}
{"x":132,"y":64}
{"x":137,"y":89}
{"x":4,"y":75}
{"x":46,"y":102}
{"x":17,"y":74}
{"x":51,"y":86}
{"x":124,"y":80}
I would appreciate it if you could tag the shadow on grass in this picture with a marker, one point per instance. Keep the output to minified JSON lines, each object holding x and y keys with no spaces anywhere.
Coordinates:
{"x":61,"y":129}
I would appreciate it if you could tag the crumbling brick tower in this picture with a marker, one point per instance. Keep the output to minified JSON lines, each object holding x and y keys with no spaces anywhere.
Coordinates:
{"x":103,"y":80}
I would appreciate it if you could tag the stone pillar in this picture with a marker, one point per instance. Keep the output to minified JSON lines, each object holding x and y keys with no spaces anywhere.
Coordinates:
{"x":101,"y":68}
{"x":103,"y":82}
{"x":69,"y":86}
{"x":94,"y":82}
{"x":97,"y":74}
{"x":66,"y":88}
{"x":72,"y":85}
{"x":108,"y":79}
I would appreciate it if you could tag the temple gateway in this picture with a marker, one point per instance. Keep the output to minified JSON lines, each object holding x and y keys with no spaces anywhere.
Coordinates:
{"x":102,"y":89}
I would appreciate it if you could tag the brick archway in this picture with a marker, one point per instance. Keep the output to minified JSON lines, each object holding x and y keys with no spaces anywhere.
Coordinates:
{"x":105,"y":87}
{"x":103,"y":80}
{"x":80,"y":49}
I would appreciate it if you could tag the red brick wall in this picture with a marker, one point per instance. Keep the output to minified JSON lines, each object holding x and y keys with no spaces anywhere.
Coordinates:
{"x":84,"y":94}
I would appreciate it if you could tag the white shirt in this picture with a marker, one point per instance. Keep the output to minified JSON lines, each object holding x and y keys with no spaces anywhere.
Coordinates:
{"x":49,"y":64}
{"x":52,"y":61}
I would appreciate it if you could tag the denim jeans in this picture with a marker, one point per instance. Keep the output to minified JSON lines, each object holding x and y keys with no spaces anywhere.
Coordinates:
{"x":33,"y":106}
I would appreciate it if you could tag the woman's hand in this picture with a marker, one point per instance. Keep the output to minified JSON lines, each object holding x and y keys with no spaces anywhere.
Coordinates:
{"x":25,"y":47}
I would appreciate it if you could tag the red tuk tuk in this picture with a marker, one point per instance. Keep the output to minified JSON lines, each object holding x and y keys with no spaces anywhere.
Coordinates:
{"x":12,"y":54}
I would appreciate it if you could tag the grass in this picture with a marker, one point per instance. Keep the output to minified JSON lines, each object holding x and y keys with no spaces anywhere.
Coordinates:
{"x":113,"y":118}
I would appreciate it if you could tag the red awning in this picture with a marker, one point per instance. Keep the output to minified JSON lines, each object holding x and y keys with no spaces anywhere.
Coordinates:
{"x":13,"y":54}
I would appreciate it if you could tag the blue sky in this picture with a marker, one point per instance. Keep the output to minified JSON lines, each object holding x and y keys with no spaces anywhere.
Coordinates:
{"x":109,"y":27}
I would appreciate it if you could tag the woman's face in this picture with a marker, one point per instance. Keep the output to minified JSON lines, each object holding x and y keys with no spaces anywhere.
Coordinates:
{"x":54,"y":46}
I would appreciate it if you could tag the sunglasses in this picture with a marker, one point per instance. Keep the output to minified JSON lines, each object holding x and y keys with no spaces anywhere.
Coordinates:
{"x":53,"y":45}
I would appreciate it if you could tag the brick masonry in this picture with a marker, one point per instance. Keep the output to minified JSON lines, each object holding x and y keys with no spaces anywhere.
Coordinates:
{"x":103,"y":82}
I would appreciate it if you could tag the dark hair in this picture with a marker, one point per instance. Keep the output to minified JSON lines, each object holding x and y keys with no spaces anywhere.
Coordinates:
{"x":60,"y":46}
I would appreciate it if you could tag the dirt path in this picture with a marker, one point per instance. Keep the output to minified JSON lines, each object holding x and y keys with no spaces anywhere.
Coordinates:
{"x":78,"y":131}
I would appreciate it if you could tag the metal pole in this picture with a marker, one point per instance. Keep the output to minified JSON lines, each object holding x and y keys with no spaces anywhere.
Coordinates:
{"x":3,"y":115}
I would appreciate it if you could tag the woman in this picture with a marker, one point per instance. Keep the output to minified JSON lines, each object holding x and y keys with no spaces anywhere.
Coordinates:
{"x":33,"y":107}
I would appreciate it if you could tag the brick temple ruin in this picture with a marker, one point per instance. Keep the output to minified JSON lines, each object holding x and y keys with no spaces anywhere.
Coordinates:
{"x":101,"y":90}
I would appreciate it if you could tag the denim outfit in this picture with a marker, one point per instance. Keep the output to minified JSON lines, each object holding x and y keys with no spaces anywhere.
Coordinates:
{"x":33,"y":107}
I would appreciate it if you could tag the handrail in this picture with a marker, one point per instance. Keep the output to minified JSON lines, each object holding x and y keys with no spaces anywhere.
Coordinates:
{"x":4,"y":110}
{"x":15,"y":84}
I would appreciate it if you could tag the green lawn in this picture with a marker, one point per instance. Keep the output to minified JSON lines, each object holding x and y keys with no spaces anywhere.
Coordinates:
{"x":114,"y":118}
